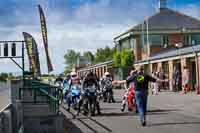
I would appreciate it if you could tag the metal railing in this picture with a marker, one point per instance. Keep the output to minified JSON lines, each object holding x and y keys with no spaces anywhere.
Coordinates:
{"x":6,"y":119}
{"x":41,"y":93}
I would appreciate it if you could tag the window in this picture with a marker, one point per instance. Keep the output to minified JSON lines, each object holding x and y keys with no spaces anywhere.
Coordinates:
{"x":166,"y":68}
{"x":165,"y":40}
{"x":126,"y":44}
{"x":6,"y":49}
{"x":154,"y":40}
{"x":187,"y":40}
{"x":119,"y":45}
{"x":195,"y":38}
{"x":132,"y":43}
{"x":143,"y":41}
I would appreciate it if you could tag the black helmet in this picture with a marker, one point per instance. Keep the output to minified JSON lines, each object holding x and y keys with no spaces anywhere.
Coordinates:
{"x":68,"y":76}
{"x":90,"y":73}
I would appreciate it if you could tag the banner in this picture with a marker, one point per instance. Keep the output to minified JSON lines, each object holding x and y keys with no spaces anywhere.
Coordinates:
{"x":33,"y":55}
{"x":36,"y":58}
{"x":45,"y":38}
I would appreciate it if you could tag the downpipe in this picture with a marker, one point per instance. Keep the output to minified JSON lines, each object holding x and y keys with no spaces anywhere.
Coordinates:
{"x":197,"y":88}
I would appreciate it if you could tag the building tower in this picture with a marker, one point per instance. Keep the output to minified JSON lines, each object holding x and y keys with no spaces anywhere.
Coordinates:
{"x":162,"y":4}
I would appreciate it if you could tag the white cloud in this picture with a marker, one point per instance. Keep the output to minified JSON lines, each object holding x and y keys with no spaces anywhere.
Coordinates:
{"x":87,"y":27}
{"x":191,"y":10}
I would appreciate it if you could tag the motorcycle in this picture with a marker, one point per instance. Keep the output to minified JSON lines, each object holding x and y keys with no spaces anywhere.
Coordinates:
{"x":108,"y":95}
{"x":65,"y":92}
{"x":129,"y":98}
{"x":59,"y":91}
{"x":74,"y":96}
{"x":91,"y":100}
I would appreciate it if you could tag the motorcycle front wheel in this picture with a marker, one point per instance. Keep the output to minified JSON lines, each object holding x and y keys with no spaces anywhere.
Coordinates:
{"x":92,"y":106}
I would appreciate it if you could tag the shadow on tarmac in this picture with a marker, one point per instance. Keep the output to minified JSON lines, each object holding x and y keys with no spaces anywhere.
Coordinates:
{"x":114,"y":114}
{"x":160,"y":111}
{"x":70,"y":127}
{"x":173,"y":123}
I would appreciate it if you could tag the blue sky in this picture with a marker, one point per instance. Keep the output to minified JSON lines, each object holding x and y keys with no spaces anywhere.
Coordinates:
{"x":77,"y":24}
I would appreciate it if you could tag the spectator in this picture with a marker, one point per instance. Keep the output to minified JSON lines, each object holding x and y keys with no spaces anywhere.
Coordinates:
{"x":141,"y":81}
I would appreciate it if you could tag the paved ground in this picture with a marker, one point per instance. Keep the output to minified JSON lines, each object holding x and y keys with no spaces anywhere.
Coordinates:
{"x":168,"y":113}
{"x":4,"y":95}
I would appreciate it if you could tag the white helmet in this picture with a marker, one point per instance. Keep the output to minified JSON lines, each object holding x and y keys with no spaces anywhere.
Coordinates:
{"x":73,"y":73}
{"x":106,"y":73}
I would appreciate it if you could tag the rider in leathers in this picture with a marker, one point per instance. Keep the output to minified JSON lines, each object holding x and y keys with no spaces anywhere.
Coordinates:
{"x":74,"y":81}
{"x":89,"y":80}
{"x":106,"y":84}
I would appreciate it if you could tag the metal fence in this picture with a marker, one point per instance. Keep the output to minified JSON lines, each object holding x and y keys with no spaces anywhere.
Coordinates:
{"x":6,"y":119}
{"x":41,"y":93}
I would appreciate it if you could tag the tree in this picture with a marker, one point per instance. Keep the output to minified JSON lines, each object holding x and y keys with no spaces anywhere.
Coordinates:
{"x":89,"y":56}
{"x":11,"y":76}
{"x":3,"y":77}
{"x":67,"y":70}
{"x":127,"y":58}
{"x":101,"y":55}
{"x":123,"y":59}
{"x":117,"y":59}
{"x":71,"y":58}
{"x":104,"y":54}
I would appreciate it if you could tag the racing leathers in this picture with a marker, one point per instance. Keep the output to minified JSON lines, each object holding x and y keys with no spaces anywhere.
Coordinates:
{"x":88,"y":83}
{"x":74,"y":86}
{"x":106,"y":85}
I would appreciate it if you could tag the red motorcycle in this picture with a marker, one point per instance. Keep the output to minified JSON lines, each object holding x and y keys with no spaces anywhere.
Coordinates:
{"x":129,"y":98}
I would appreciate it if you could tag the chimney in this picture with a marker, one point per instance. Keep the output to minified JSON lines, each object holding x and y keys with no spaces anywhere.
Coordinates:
{"x":162,"y":4}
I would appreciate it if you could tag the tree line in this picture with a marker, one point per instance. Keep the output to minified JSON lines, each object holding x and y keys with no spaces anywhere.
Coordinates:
{"x":121,"y":59}
{"x":6,"y":76}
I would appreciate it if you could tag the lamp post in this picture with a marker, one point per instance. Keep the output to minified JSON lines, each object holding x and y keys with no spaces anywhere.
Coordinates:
{"x":148,"y":44}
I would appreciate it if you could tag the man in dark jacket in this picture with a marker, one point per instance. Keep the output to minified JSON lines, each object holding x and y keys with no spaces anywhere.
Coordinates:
{"x":141,"y":82}
{"x":89,"y":80}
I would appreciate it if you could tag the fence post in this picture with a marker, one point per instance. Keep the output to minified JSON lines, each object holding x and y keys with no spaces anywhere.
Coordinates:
{"x":34,"y":95}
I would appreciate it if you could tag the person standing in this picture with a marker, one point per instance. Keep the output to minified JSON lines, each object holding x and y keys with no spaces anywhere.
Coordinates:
{"x":89,"y":81}
{"x":66,"y":83}
{"x":141,"y":81}
{"x":155,"y":84}
{"x":107,"y":88}
{"x":185,"y":81}
{"x":176,"y":81}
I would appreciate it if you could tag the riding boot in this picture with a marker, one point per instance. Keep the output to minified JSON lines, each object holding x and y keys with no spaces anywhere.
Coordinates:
{"x":104,"y":96}
{"x":85,"y":108}
{"x":112,"y":96}
{"x":98,"y":108}
{"x":79,"y":106}
{"x":68,"y":108}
